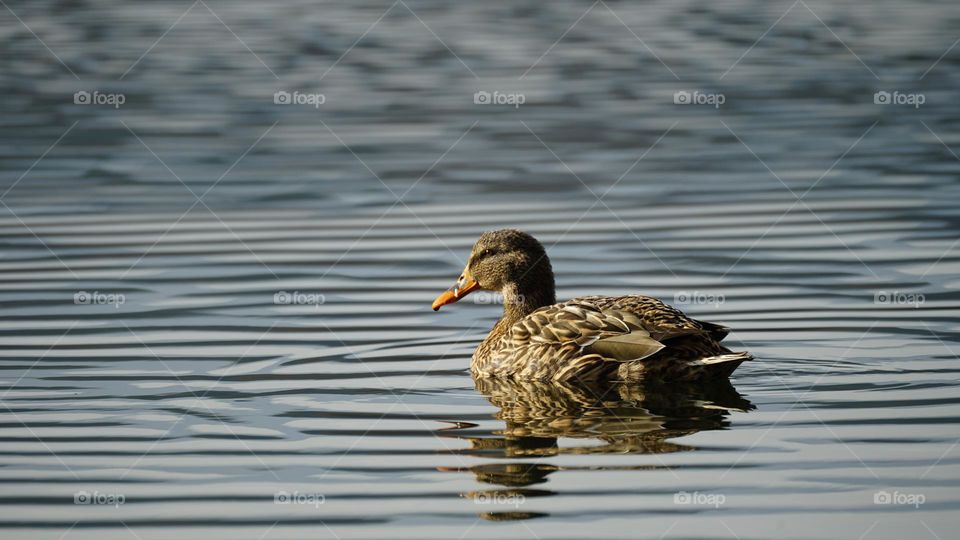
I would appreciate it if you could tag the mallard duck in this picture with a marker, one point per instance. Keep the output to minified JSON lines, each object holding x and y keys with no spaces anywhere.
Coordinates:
{"x":590,"y":338}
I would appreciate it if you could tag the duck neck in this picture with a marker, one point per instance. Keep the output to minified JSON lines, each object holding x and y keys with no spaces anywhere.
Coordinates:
{"x":522,"y":299}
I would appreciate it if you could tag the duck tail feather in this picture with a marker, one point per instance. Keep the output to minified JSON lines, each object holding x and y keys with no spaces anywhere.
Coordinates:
{"x":716,"y":331}
{"x":721,"y":358}
{"x":721,"y":365}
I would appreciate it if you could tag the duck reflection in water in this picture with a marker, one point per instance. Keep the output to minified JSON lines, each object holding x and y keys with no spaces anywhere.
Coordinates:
{"x":545,"y":419}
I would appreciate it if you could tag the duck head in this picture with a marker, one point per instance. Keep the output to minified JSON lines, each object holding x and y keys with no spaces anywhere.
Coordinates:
{"x":510,"y":262}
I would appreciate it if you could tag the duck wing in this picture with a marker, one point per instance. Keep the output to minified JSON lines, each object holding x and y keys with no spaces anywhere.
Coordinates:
{"x":661,"y":320}
{"x":575,"y":340}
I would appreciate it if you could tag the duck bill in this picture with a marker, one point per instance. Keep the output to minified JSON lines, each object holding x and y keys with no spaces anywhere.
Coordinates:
{"x":463,"y":287}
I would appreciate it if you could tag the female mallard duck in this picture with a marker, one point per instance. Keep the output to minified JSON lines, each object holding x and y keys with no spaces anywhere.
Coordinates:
{"x":589,"y":338}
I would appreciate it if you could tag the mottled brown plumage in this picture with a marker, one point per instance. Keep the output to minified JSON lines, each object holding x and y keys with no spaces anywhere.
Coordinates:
{"x":589,"y":338}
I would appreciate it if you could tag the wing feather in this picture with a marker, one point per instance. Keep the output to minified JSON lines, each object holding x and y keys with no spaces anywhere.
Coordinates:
{"x":574,"y":339}
{"x":651,"y":314}
{"x":597,"y":336}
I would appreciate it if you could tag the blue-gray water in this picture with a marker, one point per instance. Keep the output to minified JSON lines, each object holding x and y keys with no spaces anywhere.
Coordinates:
{"x":820,"y":225}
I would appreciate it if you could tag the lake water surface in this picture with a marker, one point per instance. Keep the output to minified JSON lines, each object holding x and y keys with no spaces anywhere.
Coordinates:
{"x":216,"y":308}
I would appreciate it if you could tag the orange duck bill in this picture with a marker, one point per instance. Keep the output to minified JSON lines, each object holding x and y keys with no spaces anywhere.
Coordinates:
{"x":463,"y":287}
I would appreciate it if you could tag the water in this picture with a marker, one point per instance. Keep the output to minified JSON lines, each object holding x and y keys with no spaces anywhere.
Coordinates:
{"x":819,"y":225}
